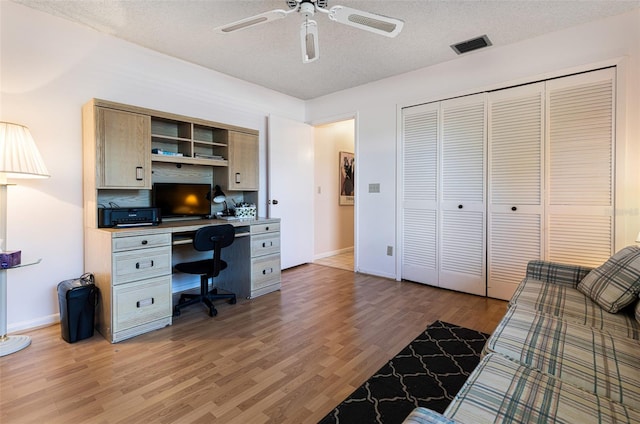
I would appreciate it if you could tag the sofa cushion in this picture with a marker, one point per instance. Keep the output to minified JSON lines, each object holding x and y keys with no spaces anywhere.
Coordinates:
{"x":421,"y":415}
{"x":573,"y":306}
{"x":637,"y":311}
{"x":591,"y":359}
{"x":616,"y":283}
{"x":501,"y":390}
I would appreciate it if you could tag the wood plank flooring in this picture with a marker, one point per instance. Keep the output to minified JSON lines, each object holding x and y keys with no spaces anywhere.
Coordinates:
{"x":341,"y":260}
{"x":286,"y":357}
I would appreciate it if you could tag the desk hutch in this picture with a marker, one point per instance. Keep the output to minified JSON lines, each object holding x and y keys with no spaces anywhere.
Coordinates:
{"x":133,"y":266}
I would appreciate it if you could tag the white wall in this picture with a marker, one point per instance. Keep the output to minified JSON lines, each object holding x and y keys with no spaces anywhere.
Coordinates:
{"x":334,"y":226}
{"x":49,"y":68}
{"x":610,"y":41}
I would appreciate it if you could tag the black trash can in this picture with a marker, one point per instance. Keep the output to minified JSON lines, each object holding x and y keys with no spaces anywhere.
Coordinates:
{"x":77,"y":299}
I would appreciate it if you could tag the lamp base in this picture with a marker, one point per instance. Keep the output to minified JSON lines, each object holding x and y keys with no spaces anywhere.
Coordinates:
{"x":11,"y":344}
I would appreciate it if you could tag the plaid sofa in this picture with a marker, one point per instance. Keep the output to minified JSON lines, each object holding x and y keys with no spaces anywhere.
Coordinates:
{"x":558,"y":355}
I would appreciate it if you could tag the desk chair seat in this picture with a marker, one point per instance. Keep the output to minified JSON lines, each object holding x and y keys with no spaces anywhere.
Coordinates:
{"x":212,"y":238}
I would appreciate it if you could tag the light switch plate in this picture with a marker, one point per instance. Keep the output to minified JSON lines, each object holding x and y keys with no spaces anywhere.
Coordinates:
{"x":374,"y":188}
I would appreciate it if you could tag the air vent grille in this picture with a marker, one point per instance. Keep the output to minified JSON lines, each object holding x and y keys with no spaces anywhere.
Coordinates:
{"x":470,"y":45}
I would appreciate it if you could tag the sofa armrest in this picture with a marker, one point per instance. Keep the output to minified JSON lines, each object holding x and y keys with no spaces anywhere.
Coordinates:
{"x":556,"y":273}
{"x":426,"y":416}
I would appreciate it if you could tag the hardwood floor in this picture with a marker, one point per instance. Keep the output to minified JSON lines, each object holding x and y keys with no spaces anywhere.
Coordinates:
{"x":341,"y":260}
{"x":286,"y":357}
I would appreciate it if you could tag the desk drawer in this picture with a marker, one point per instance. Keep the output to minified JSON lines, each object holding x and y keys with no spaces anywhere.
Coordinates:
{"x":141,"y":302}
{"x":141,"y":242}
{"x":139,"y":264}
{"x":265,"y":228}
{"x":265,"y":271}
{"x":265,"y":244}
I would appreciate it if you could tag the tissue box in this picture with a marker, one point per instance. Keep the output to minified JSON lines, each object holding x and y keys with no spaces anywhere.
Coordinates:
{"x":10,"y":258}
{"x":246,"y":212}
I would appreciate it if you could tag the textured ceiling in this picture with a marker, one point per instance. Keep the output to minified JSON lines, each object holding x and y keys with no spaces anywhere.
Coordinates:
{"x":270,"y":54}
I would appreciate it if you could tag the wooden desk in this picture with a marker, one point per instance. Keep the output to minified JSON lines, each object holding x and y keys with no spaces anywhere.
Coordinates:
{"x":133,"y":270}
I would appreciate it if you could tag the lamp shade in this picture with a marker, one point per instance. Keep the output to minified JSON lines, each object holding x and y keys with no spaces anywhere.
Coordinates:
{"x":638,"y":238}
{"x":218,"y":195}
{"x":19,"y":155}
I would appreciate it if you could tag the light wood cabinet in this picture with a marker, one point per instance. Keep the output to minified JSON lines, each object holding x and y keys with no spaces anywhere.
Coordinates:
{"x":123,"y":146}
{"x":133,"y":273}
{"x":265,"y":258}
{"x":243,"y":161}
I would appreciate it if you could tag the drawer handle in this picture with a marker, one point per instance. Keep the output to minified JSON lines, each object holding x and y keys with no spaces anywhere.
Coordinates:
{"x":267,"y":271}
{"x":138,"y":266}
{"x":459,"y":206}
{"x":145,"y":302}
{"x":266,"y":228}
{"x":513,"y":208}
{"x":144,"y":242}
{"x":265,"y":244}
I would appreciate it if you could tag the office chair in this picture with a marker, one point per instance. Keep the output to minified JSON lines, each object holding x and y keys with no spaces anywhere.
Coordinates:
{"x":214,"y":238}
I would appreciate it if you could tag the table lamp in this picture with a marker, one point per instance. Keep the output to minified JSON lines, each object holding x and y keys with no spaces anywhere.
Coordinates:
{"x":219,"y":197}
{"x":19,"y":158}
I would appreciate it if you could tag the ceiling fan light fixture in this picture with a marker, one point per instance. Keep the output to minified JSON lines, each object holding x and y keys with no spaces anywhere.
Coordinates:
{"x":378,"y":24}
{"x":309,"y":41}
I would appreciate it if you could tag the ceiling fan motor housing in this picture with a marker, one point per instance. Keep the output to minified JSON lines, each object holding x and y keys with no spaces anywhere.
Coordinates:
{"x":293,"y":4}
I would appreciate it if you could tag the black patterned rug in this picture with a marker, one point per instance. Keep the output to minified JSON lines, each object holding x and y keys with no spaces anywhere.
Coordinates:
{"x":428,"y":372}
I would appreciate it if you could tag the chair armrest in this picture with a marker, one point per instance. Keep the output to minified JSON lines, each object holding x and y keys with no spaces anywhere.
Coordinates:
{"x":556,"y":273}
{"x":426,"y":416}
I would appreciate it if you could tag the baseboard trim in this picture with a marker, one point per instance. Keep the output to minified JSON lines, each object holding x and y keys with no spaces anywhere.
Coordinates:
{"x":34,"y":324}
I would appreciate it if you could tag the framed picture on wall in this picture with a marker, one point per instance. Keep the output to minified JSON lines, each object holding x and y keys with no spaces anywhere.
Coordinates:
{"x":346,"y":169}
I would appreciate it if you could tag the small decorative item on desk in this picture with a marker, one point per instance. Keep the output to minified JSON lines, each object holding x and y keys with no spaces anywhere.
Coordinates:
{"x":10,"y":258}
{"x":245,"y":211}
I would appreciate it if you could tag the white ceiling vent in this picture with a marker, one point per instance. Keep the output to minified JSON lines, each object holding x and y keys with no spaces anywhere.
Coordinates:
{"x":470,"y":45}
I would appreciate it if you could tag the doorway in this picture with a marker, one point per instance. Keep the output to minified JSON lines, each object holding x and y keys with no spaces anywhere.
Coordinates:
{"x":334,"y":203}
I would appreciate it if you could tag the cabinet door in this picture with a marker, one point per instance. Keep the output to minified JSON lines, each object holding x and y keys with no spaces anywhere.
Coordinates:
{"x":243,"y":161}
{"x":516,"y":129}
{"x":124,"y":149}
{"x":462,"y":195}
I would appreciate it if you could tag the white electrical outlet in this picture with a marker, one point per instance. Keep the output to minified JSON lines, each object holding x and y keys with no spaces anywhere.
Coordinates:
{"x":389,"y":250}
{"x":374,"y":188}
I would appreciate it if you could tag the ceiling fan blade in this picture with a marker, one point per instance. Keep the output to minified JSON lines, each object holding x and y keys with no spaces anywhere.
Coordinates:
{"x":383,"y":25}
{"x":262,"y":18}
{"x":309,"y":41}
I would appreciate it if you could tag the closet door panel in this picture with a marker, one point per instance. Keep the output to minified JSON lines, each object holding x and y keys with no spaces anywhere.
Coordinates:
{"x":514,"y":241}
{"x":462,"y":204}
{"x":420,"y":194}
{"x":580,"y":136}
{"x":420,"y":247}
{"x":462,"y":266}
{"x":515,"y":133}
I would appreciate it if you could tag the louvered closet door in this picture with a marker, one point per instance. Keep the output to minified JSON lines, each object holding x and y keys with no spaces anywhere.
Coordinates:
{"x":462,"y":200}
{"x":514,"y":233}
{"x":580,"y":136}
{"x":420,"y":189}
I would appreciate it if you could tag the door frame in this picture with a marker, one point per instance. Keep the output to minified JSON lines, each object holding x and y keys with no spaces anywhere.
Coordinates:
{"x":345,"y":117}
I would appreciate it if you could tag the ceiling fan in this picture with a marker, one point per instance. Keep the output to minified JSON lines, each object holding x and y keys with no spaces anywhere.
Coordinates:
{"x":378,"y":24}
